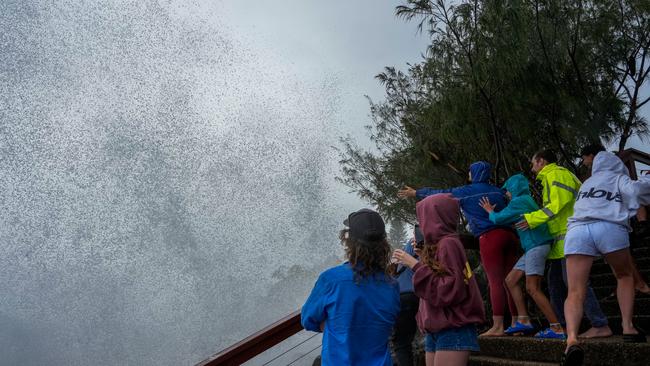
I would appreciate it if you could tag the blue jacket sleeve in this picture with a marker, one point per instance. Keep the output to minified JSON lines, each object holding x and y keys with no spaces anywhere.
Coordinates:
{"x":458,"y":192}
{"x":509,"y":215}
{"x":313,"y":312}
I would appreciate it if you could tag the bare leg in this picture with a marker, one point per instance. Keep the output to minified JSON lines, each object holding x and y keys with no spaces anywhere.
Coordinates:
{"x":429,"y":358}
{"x":622,"y":266}
{"x":533,"y":284}
{"x":451,"y":358}
{"x":578,"y":267}
{"x":512,"y":282}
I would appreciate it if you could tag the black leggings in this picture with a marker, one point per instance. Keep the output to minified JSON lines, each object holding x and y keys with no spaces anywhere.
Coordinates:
{"x":405,"y":329}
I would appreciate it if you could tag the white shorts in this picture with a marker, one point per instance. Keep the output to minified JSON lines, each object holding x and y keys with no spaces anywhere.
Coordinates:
{"x":596,"y":239}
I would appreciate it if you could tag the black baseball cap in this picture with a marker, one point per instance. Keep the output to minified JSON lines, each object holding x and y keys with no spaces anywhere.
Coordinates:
{"x":365,"y":225}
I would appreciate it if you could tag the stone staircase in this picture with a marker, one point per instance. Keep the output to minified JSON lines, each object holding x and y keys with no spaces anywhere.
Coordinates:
{"x":528,"y":351}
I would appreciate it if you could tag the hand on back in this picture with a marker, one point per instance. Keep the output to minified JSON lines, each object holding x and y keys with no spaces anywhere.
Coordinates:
{"x":486,"y":205}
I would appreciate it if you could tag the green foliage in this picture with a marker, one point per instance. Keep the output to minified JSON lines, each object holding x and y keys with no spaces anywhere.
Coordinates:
{"x":500,"y":80}
{"x":397,"y":233}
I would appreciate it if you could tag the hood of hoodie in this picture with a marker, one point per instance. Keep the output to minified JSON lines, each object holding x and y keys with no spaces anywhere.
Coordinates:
{"x":481,"y":171}
{"x":438,"y":216}
{"x":607,"y":163}
{"x":609,"y":194}
{"x":517,"y":185}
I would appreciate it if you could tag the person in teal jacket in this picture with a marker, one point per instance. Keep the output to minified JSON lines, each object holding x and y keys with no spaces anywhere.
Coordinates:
{"x":536,"y":244}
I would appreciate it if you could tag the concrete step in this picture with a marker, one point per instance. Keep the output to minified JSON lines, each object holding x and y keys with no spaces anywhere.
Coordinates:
{"x":495,"y":361}
{"x":607,"y":351}
{"x":614,"y":320}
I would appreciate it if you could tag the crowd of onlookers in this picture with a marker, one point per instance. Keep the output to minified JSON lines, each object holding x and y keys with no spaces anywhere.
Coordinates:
{"x":381,"y":296}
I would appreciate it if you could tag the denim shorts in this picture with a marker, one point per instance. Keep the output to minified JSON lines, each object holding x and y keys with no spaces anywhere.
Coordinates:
{"x":464,"y":338}
{"x":596,"y":238}
{"x":533,"y":261}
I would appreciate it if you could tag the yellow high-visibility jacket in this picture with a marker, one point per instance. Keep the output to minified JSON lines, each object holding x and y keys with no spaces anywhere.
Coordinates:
{"x":560,"y":188}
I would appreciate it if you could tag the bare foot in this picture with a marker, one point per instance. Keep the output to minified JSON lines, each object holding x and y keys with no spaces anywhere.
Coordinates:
{"x":600,"y":332}
{"x":493,"y":332}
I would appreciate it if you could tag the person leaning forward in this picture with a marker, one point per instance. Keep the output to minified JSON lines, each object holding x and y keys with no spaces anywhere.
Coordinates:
{"x":559,"y":190}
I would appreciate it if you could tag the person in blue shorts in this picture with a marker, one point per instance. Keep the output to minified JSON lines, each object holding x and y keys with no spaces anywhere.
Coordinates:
{"x":536,"y":244}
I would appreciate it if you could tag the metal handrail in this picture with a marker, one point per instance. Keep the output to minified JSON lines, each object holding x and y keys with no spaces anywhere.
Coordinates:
{"x":257,"y":343}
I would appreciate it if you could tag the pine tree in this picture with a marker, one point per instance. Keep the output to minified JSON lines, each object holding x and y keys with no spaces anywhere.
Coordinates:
{"x":397,"y":233}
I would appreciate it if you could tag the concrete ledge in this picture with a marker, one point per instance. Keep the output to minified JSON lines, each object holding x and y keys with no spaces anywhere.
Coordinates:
{"x":494,"y":361}
{"x":608,"y":351}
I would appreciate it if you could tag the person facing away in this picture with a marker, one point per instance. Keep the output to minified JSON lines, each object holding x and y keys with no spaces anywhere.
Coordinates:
{"x":588,"y":153}
{"x":450,"y":302}
{"x":536,"y":244}
{"x":599,"y":226}
{"x":498,"y":244}
{"x":355,"y":304}
{"x":406,"y":327}
{"x":559,"y":190}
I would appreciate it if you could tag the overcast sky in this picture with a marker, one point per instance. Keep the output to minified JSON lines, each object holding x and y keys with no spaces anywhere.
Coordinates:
{"x":349,"y":41}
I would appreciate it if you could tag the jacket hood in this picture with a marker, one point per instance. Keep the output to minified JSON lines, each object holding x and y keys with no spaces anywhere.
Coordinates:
{"x":517,"y":185}
{"x":606,"y":162}
{"x":438,"y":216}
{"x":481,"y":171}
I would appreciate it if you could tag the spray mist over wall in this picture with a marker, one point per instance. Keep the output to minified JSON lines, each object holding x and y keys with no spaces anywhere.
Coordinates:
{"x":164,"y":190}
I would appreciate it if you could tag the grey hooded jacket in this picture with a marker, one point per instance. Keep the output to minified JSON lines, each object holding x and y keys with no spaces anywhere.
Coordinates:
{"x":609,"y":194}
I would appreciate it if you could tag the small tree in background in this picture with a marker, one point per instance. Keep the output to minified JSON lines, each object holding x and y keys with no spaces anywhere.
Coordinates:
{"x":397,"y":233}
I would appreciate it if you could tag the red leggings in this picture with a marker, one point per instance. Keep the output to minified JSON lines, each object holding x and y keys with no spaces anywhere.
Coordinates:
{"x":499,"y":249}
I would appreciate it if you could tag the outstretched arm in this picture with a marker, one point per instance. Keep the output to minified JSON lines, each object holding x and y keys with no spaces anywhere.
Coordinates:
{"x":509,"y":215}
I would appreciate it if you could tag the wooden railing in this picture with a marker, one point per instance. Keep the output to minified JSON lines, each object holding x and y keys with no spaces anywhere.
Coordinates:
{"x":257,"y":343}
{"x":630,"y":157}
{"x":276,"y":333}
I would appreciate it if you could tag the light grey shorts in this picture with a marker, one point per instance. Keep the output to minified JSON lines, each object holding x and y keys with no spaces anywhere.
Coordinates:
{"x":596,"y":239}
{"x":533,"y":261}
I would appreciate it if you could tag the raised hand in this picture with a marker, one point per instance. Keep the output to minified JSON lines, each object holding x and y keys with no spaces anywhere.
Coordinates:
{"x":406,"y":192}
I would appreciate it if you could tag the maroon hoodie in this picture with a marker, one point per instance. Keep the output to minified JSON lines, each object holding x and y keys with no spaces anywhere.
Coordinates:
{"x":451,"y":300}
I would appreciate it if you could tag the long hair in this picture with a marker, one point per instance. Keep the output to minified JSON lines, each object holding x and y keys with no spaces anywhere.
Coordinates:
{"x":428,"y":258}
{"x":366,"y":258}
